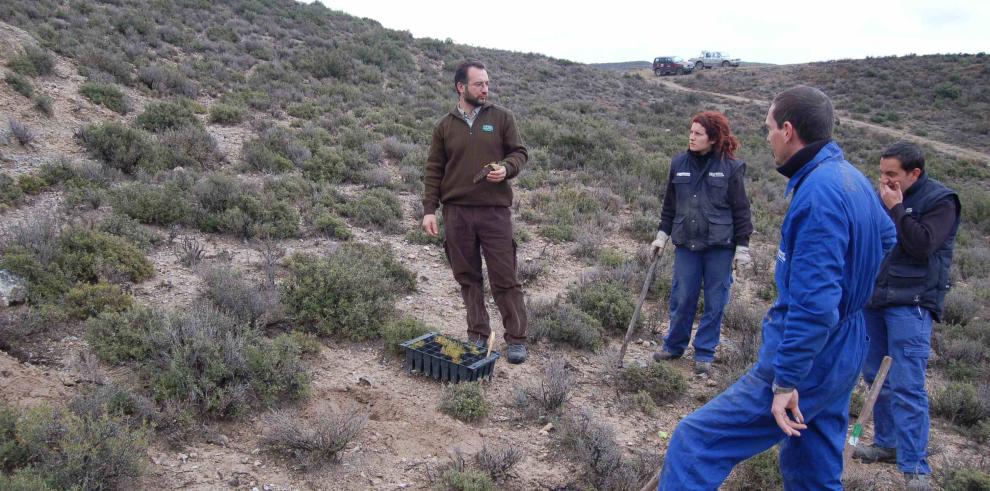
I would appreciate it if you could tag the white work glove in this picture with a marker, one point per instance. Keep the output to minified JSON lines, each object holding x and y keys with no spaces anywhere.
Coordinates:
{"x":659,"y":242}
{"x":742,"y":257}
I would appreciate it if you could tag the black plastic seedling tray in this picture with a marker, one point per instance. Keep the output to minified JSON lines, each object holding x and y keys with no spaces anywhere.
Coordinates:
{"x":427,"y":355}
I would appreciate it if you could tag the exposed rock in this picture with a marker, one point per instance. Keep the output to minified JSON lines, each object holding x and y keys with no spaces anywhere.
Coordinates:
{"x":13,"y":289}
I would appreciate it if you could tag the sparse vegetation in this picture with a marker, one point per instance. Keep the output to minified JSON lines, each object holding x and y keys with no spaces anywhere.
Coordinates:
{"x":464,"y":401}
{"x":348,"y":293}
{"x":312,"y":444}
{"x":547,"y":398}
{"x":107,"y":95}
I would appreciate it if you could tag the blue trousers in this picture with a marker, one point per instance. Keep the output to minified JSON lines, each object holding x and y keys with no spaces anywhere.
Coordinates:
{"x":737,"y":425}
{"x":712,"y":268}
{"x":901,"y":412}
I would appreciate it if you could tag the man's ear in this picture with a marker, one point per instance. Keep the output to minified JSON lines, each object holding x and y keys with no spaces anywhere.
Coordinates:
{"x":460,"y":88}
{"x":788,"y":130}
{"x":916,"y":172}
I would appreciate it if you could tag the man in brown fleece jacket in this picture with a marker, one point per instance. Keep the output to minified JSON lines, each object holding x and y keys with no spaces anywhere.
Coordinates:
{"x":477,"y":218}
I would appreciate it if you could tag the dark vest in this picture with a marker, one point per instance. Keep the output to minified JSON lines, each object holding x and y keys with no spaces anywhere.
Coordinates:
{"x":905,"y":280}
{"x":703,"y":216}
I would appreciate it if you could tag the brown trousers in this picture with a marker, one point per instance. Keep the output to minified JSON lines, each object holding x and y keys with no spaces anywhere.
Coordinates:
{"x":473,"y":231}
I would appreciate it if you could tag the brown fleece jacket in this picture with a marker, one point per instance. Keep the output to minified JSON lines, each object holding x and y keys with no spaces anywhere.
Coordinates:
{"x":458,"y":152}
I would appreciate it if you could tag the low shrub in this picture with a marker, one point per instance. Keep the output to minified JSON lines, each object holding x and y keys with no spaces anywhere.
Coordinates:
{"x":43,"y":104}
{"x":31,"y":184}
{"x":377,"y":208}
{"x":90,"y":255}
{"x":22,"y":133}
{"x":90,"y":300}
{"x":549,"y":397}
{"x":234,"y":294}
{"x":663,"y":382}
{"x":562,"y":322}
{"x":118,"y":337}
{"x":120,"y":147}
{"x":464,"y":401}
{"x":70,"y":451}
{"x":395,"y":332}
{"x":966,"y":479}
{"x":131,"y":230}
{"x":227,"y":114}
{"x":465,"y":479}
{"x":10,"y":192}
{"x":167,"y":115}
{"x":106,"y":95}
{"x":349,"y":293}
{"x":497,"y":461}
{"x":592,"y":443}
{"x":189,"y":147}
{"x":960,"y":307}
{"x":312,"y":445}
{"x":759,"y":473}
{"x":34,"y":62}
{"x":609,"y":302}
{"x":331,"y":226}
{"x":19,"y":83}
{"x":962,"y":403}
{"x":150,"y":204}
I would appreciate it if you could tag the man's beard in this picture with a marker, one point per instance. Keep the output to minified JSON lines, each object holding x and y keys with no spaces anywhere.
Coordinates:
{"x":474,"y":101}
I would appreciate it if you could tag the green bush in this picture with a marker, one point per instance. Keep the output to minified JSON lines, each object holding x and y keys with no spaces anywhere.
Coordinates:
{"x":331,"y":226}
{"x":120,"y":147}
{"x":466,"y":479}
{"x":167,"y":115}
{"x":70,"y":451}
{"x":398,"y":331}
{"x":131,"y":230}
{"x":663,"y":382}
{"x":966,"y":480}
{"x":220,"y":366}
{"x":227,"y":114}
{"x":275,"y":150}
{"x":31,"y":184}
{"x":89,"y":255}
{"x":43,"y":104}
{"x":349,"y":293}
{"x":45,"y":279}
{"x":106,"y":95}
{"x":609,"y":302}
{"x":562,"y":322}
{"x":117,"y":337}
{"x":19,"y":83}
{"x":464,"y":401}
{"x":377,"y":208}
{"x":276,"y":370}
{"x":151,"y":204}
{"x":190,"y":147}
{"x":759,"y":473}
{"x":962,"y":403}
{"x":33,"y":62}
{"x":90,"y":300}
{"x":10,"y":192}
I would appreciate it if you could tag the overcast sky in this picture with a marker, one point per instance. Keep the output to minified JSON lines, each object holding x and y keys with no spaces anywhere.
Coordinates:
{"x":773,"y":31}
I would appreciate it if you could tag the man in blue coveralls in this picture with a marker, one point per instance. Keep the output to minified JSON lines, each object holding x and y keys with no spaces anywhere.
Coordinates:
{"x":832,"y":242}
{"x":909,"y":293}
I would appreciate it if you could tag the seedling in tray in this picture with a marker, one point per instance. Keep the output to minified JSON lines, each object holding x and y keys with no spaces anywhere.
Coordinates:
{"x":447,"y":359}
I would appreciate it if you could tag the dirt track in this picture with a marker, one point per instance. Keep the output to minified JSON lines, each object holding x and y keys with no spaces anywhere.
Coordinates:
{"x":955,"y":151}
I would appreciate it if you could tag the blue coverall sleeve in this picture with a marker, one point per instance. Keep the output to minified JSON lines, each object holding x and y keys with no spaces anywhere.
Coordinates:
{"x":816,"y":275}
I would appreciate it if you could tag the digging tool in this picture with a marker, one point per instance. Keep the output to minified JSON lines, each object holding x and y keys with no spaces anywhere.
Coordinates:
{"x":642,"y":298}
{"x":867,"y":412}
{"x":491,"y":342}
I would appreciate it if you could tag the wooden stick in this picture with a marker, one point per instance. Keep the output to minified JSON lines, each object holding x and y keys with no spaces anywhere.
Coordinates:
{"x":654,"y":483}
{"x":639,"y":304}
{"x":867,"y":411}
{"x":491,"y":342}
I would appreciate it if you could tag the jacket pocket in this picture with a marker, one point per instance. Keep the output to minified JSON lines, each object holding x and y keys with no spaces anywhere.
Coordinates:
{"x":719,"y":230}
{"x":677,"y":233}
{"x":718,"y":191}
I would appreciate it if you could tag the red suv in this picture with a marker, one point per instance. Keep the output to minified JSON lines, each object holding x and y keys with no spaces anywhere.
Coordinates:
{"x":670,"y":65}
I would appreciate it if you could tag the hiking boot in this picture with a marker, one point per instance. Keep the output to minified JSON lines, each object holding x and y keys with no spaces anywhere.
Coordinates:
{"x":702,"y":367}
{"x":662,"y":355}
{"x":872,"y":453}
{"x":917,"y":482}
{"x":515,"y":353}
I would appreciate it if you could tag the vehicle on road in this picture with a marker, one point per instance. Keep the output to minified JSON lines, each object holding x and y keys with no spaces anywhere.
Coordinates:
{"x":709,"y":59}
{"x":671,"y":65}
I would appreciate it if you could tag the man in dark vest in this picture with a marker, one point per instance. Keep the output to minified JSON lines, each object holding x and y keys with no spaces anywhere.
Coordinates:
{"x":909,"y":293}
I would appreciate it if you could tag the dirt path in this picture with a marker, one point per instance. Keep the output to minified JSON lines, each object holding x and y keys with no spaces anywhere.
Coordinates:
{"x":946,"y":148}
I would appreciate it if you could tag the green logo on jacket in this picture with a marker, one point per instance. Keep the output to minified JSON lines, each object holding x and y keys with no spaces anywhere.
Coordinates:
{"x":487,"y":128}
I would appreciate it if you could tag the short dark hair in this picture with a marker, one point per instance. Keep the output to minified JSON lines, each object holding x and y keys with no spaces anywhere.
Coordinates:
{"x":808,"y":109}
{"x":460,"y":75}
{"x":910,"y":155}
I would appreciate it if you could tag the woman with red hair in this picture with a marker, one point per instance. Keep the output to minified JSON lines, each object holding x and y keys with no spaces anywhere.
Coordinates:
{"x":706,"y":215}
